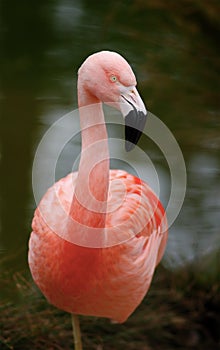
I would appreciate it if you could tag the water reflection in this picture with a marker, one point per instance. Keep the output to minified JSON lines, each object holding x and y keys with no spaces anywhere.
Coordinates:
{"x":196,"y":232}
{"x":175,"y":59}
{"x":26,"y":35}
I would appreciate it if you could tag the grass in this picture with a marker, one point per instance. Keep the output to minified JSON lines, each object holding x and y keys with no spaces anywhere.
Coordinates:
{"x":181,"y":311}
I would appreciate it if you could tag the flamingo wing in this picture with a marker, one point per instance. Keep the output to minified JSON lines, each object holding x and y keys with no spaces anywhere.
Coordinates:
{"x":111,"y":281}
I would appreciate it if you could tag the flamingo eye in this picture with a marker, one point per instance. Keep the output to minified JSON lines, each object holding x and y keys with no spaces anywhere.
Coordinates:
{"x":113,"y":78}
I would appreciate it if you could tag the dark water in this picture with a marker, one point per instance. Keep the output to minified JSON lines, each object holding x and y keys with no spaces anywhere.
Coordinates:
{"x":173,"y":51}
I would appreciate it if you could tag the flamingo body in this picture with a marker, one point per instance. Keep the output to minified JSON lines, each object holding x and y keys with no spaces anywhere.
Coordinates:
{"x":111,"y":277}
{"x":109,"y":282}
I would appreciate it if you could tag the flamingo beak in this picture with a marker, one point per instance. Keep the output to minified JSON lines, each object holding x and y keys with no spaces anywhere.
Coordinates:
{"x":135,"y":114}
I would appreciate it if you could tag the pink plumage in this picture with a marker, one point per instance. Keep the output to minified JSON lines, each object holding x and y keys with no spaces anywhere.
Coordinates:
{"x":98,"y":234}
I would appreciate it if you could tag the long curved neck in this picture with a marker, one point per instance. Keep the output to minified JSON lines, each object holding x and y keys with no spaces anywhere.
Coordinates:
{"x":91,"y":192}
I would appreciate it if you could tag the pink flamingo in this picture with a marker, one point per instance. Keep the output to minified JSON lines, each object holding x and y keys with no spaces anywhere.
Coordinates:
{"x":98,"y":234}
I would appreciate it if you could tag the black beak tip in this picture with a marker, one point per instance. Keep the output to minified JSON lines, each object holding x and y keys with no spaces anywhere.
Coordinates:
{"x":134,"y":126}
{"x":129,"y":146}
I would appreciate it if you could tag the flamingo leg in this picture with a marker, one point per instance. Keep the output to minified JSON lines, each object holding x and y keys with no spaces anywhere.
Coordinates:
{"x":76,"y":332}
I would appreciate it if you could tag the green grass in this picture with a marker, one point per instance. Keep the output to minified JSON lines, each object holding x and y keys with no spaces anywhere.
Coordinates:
{"x":181,"y":311}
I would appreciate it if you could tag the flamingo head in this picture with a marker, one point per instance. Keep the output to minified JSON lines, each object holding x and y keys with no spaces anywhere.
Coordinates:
{"x":108,"y":78}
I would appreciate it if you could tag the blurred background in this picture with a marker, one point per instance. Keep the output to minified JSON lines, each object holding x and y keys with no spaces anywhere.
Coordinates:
{"x":174,"y":52}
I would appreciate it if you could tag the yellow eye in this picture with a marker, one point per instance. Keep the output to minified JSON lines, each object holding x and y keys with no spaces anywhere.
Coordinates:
{"x":113,"y":78}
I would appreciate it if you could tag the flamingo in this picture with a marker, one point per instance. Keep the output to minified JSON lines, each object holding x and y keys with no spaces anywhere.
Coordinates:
{"x":98,"y":234}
